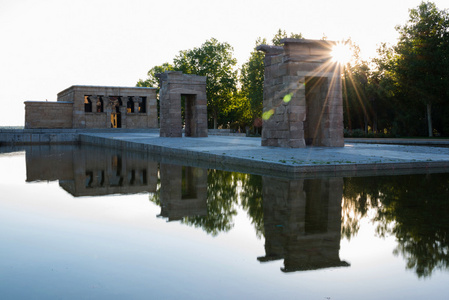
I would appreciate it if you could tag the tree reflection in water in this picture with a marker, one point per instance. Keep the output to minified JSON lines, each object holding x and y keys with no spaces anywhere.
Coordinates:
{"x":222,"y":198}
{"x":413,"y":208}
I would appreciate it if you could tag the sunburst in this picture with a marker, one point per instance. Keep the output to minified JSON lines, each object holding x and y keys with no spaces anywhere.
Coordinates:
{"x":341,"y":53}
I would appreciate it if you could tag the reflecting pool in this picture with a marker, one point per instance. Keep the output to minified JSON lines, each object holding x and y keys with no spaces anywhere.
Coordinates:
{"x":96,"y":223}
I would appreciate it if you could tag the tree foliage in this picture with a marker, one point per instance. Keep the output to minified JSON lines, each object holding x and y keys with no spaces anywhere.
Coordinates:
{"x":422,"y":57}
{"x":392,"y":95}
{"x":252,"y":75}
{"x":413,"y":75}
{"x":215,"y":61}
{"x":152,"y":80}
{"x":282,"y":34}
{"x":252,"y":79}
{"x":395,"y":93}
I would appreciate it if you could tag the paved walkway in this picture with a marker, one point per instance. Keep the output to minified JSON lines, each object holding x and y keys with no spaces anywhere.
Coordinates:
{"x":246,"y":154}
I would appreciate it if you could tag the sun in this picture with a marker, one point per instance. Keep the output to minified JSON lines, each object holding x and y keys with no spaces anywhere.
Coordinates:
{"x":341,"y":53}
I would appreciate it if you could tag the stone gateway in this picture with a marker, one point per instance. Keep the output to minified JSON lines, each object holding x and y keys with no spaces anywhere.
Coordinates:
{"x":302,"y":102}
{"x":176,"y":87}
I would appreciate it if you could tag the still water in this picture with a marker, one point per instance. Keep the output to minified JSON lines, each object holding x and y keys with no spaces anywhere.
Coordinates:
{"x":95,"y":223}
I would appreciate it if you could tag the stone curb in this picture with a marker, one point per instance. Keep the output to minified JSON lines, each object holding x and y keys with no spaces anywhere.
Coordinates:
{"x":247,"y":165}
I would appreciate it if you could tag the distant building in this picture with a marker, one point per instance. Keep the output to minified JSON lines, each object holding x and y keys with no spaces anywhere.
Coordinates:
{"x":95,"y":107}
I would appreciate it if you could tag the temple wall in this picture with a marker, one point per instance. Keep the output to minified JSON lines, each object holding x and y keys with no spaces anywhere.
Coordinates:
{"x":95,"y":107}
{"x":140,"y":121}
{"x":97,"y":120}
{"x":43,"y":114}
{"x":114,"y":100}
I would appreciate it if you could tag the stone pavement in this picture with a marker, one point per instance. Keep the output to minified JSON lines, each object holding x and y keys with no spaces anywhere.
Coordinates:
{"x":246,"y":154}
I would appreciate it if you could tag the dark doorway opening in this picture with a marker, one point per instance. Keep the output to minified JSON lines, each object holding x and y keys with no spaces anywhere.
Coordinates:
{"x":316,"y":94}
{"x":143,"y":105}
{"x":87,"y":104}
{"x":116,"y":118}
{"x":130,"y":105}
{"x":188,"y":114}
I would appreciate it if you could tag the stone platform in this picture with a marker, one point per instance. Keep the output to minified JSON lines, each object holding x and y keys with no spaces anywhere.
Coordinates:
{"x":245,"y":154}
{"x":359,"y":157}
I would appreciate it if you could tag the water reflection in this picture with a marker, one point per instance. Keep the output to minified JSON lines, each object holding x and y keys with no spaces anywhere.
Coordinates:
{"x":302,"y":220}
{"x":183,"y":192}
{"x":92,"y":171}
{"x":221,"y":198}
{"x":413,"y":208}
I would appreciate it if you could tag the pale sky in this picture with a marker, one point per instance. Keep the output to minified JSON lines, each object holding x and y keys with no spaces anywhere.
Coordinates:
{"x":49,"y":45}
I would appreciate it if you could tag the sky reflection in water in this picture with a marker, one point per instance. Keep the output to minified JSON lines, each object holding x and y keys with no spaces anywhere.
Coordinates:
{"x":82,"y":223}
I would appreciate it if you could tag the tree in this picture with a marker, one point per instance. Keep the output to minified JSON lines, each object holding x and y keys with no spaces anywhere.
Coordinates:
{"x":215,"y":61}
{"x":152,"y":80}
{"x":281,"y":34}
{"x":252,"y":78}
{"x":239,"y":112}
{"x":252,"y":74}
{"x":361,"y":96}
{"x":421,"y":64}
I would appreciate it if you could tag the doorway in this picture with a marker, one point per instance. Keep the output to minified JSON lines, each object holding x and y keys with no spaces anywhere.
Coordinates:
{"x":116,"y":117}
{"x":316,"y":94}
{"x":189,"y":116}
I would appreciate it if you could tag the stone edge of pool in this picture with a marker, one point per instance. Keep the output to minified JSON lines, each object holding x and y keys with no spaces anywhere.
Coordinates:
{"x":183,"y":151}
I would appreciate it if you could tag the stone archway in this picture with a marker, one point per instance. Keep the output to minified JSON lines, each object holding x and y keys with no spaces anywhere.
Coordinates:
{"x":173,"y":86}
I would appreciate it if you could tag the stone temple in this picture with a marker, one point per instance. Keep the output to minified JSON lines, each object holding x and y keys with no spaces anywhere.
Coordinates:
{"x":302,"y":102}
{"x":83,"y":106}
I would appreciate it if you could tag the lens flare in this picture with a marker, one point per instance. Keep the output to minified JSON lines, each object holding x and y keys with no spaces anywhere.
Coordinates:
{"x":266,"y":115}
{"x":288,"y":97}
{"x":341,"y":53}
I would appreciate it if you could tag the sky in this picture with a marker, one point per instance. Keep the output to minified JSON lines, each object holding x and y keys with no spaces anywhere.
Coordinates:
{"x":47,"y":46}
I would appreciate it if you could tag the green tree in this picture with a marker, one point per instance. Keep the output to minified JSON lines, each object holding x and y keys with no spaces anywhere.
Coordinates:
{"x":282,"y":34}
{"x":215,"y":61}
{"x":252,"y":74}
{"x":358,"y":92}
{"x":252,"y":78}
{"x":239,"y":112}
{"x":421,"y":63}
{"x":152,"y":80}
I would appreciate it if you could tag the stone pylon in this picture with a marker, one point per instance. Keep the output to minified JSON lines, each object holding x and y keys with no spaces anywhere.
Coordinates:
{"x":302,"y":102}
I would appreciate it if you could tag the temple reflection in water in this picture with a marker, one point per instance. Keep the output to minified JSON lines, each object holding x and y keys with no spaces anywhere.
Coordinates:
{"x":183,"y":191}
{"x":301,"y":219}
{"x":92,"y":171}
